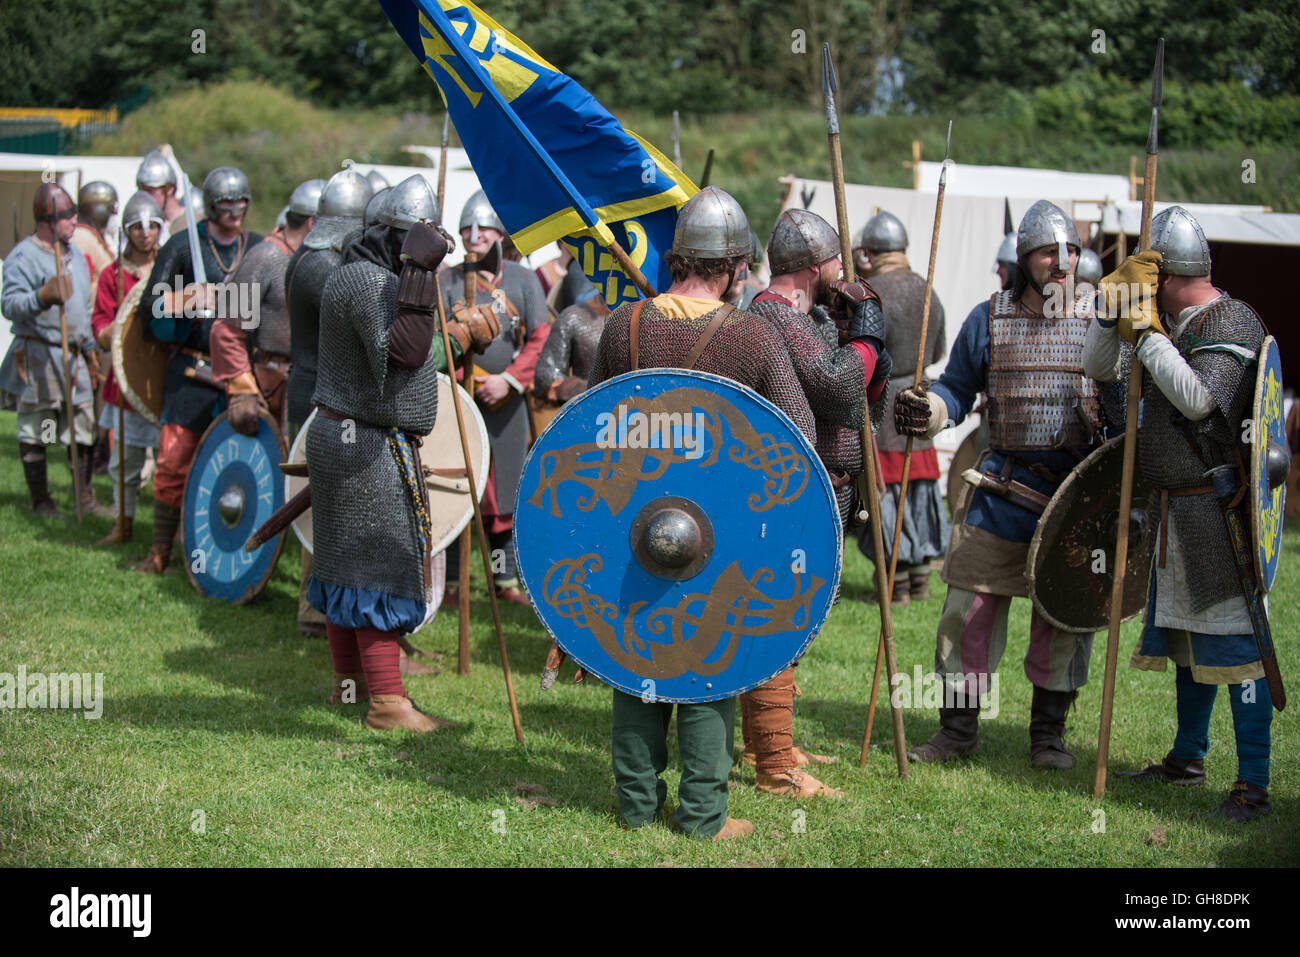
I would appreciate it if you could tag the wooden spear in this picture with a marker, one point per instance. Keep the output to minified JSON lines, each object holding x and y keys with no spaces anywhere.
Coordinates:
{"x":119,"y":440}
{"x":1130,"y":447}
{"x":708,"y":169}
{"x":868,"y":487}
{"x":67,"y":381}
{"x":470,"y":278}
{"x":907,"y":451}
{"x":442,"y":166}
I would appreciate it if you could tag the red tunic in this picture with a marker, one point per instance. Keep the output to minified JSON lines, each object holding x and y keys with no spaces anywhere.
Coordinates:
{"x":105,"y":311}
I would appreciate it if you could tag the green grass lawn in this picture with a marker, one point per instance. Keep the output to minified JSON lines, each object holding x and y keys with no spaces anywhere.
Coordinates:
{"x":216,"y":746}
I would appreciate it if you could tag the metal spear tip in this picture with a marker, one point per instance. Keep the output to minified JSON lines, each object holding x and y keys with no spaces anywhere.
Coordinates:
{"x":1158,"y":77}
{"x":947,"y":147}
{"x":829,"y":84}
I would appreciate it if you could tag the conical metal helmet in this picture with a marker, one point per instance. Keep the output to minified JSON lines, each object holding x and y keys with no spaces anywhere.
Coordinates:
{"x":305,"y":199}
{"x":141,"y":209}
{"x":375,"y":204}
{"x":800,"y":239}
{"x":408,"y":202}
{"x":377,"y":181}
{"x":96,"y":202}
{"x":282,"y":218}
{"x":479,"y":212}
{"x":712,"y":226}
{"x":884,"y":233}
{"x":1045,"y":224}
{"x":1179,"y":239}
{"x":341,"y":209}
{"x":155,"y":171}
{"x":224,"y":183}
{"x":1088,"y":268}
{"x":1007,"y":251}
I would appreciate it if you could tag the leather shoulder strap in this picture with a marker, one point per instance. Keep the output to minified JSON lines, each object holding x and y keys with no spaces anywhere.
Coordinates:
{"x":709,"y":331}
{"x":634,"y":333}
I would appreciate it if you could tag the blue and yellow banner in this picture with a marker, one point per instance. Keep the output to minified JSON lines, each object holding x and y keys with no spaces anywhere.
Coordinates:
{"x":553,"y":162}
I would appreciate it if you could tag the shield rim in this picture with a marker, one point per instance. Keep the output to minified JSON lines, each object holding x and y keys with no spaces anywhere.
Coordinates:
{"x":1036,"y":542}
{"x":480,"y":479}
{"x":130,"y":309}
{"x":252,"y":591}
{"x":1258,"y":471}
{"x":819,"y":472}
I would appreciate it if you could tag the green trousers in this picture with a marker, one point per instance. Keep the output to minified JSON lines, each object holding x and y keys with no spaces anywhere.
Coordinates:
{"x":639,"y":745}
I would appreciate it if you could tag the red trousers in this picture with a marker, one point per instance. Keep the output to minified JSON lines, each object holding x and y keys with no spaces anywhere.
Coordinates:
{"x":176,"y":448}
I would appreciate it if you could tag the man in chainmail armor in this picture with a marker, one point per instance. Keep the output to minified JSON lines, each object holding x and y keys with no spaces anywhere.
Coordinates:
{"x":342,"y":202}
{"x":1024,"y":348}
{"x":804,"y":252}
{"x":376,"y":396}
{"x":710,"y":247}
{"x":251,"y":354}
{"x":570,"y":348}
{"x":1198,"y":348}
{"x":504,"y":371}
{"x":925,"y":520}
{"x":184,"y":318}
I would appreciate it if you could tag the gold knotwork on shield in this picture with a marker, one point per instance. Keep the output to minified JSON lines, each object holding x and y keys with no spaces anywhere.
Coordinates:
{"x":704,"y":628}
{"x":639,"y":439}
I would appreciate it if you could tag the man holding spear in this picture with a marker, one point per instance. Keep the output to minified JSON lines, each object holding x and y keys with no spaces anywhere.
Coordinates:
{"x":1197,"y":349}
{"x":804,"y":252}
{"x":1044,"y":416}
{"x":49,"y":366}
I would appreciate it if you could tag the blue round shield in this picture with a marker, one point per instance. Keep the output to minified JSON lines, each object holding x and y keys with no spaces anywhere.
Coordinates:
{"x":233,"y":487}
{"x":1268,"y":432}
{"x":677,"y":535}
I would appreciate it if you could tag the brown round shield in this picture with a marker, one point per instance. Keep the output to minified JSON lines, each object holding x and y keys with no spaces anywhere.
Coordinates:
{"x":450,"y":508}
{"x":139,"y":360}
{"x":1070,"y":559}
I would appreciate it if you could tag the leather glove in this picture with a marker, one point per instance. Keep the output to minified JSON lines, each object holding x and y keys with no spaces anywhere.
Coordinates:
{"x":884,"y":366}
{"x":1128,"y":296}
{"x":865,"y":318}
{"x":919,"y":412}
{"x":426,"y":244}
{"x":243,"y":412}
{"x":58,"y":289}
{"x":568,"y":387}
{"x":473,"y":327}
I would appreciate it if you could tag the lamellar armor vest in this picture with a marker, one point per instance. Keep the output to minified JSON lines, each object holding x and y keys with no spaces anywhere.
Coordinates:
{"x":1039,"y":398}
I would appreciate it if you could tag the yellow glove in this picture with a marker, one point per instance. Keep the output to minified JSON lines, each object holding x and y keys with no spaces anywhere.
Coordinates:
{"x":1128,"y":296}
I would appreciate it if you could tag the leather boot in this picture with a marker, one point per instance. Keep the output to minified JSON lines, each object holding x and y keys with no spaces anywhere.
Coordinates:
{"x":957,"y":737}
{"x":919,"y":587}
{"x":1047,"y":729}
{"x":123,"y":531}
{"x":1244,"y":802}
{"x":34,"y":470}
{"x":356,"y":693}
{"x":1186,"y":772}
{"x":90,"y":505}
{"x":166,"y":519}
{"x":902,"y":593}
{"x":802,"y":758}
{"x":734,"y":827}
{"x":389,"y":711}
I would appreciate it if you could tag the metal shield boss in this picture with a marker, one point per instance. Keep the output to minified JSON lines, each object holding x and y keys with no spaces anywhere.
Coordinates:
{"x":1269,"y":464}
{"x":1071,"y":556}
{"x":139,"y":360}
{"x":233,"y":487}
{"x":450,"y":509}
{"x":677,"y":535}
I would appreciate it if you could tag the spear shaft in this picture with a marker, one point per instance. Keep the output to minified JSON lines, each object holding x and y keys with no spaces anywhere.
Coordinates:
{"x":1130,"y":448}
{"x":867,"y":486}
